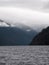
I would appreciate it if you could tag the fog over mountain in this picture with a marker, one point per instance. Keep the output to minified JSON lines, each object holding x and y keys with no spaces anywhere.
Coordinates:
{"x":18,"y":34}
{"x":32,"y":13}
{"x":26,"y":15}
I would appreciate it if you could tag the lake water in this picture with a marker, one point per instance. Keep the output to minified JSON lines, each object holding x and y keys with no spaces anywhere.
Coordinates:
{"x":24,"y":55}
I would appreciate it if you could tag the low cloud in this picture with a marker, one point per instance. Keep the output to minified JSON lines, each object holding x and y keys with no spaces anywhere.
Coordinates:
{"x":45,"y":4}
{"x":25,"y":16}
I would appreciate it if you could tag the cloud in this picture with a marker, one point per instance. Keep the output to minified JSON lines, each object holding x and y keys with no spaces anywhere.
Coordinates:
{"x":4,"y":0}
{"x":3,"y":24}
{"x":32,"y":4}
{"x":21,"y":3}
{"x":25,"y":16}
{"x":45,"y":4}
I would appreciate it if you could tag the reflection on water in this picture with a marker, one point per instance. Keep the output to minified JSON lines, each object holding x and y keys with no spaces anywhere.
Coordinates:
{"x":24,"y":55}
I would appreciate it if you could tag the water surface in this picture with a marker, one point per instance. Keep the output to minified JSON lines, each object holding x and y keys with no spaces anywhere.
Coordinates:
{"x":24,"y":55}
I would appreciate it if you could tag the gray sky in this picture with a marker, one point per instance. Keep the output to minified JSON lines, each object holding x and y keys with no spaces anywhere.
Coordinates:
{"x":33,"y":4}
{"x":28,"y":12}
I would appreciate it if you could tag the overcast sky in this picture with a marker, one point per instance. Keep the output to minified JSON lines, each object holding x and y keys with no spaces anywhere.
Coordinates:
{"x":26,"y":3}
{"x":25,"y":11}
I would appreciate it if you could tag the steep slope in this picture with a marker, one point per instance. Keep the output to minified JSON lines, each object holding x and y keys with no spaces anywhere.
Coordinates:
{"x":42,"y":38}
{"x":18,"y":34}
{"x":15,"y":36}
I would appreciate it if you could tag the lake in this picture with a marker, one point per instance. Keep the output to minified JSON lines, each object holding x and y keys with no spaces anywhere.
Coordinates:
{"x":24,"y":55}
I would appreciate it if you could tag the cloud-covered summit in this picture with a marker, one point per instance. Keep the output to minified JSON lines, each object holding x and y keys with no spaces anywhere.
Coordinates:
{"x":28,"y":12}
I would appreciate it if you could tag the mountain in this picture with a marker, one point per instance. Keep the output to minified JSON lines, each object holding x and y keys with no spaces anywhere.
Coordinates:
{"x":15,"y":36}
{"x":42,"y":38}
{"x":18,"y":34}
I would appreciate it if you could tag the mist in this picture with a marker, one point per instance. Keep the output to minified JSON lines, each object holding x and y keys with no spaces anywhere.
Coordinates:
{"x":14,"y":15}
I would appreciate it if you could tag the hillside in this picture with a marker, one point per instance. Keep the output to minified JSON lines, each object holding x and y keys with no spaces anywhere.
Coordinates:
{"x":15,"y":36}
{"x":42,"y":38}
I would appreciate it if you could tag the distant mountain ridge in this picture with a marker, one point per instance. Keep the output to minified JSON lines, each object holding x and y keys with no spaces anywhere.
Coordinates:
{"x":42,"y":38}
{"x":15,"y":36}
